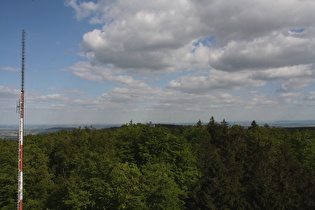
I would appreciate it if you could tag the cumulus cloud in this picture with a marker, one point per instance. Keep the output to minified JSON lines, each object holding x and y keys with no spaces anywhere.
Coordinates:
{"x":215,"y":80}
{"x":291,"y":77}
{"x":247,"y":20}
{"x":272,"y":51}
{"x":159,"y":36}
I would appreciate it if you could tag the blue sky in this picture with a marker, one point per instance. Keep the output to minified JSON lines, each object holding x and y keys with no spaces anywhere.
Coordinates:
{"x":114,"y":61}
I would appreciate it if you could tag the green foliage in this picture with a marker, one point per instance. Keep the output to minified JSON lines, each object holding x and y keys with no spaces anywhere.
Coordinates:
{"x":37,"y":175}
{"x":8,"y":173}
{"x":143,"y":145}
{"x":126,"y":187}
{"x":136,"y":166}
{"x":161,"y":190}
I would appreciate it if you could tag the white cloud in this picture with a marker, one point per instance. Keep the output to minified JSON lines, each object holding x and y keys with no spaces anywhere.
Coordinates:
{"x":7,"y":93}
{"x":54,"y":97}
{"x":246,"y":19}
{"x":83,"y":9}
{"x":8,"y":103}
{"x":301,"y":99}
{"x":272,"y":51}
{"x":67,"y":91}
{"x":285,"y":73}
{"x":158,"y":36}
{"x":291,"y":77}
{"x":310,"y":96}
{"x":97,"y":73}
{"x":143,"y":35}
{"x":9,"y":68}
{"x":214,"y":80}
{"x":87,"y":71}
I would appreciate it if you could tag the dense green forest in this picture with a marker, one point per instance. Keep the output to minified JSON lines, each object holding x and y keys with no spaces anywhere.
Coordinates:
{"x":139,"y":166}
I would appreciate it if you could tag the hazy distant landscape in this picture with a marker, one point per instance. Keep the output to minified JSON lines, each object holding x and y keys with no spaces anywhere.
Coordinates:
{"x":11,"y":131}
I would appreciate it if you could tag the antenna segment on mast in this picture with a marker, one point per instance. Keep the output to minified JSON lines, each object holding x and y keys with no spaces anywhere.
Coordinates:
{"x":21,"y":130}
{"x":23,"y":59}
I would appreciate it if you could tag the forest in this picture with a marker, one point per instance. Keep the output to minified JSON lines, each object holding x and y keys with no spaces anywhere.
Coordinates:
{"x":210,"y":165}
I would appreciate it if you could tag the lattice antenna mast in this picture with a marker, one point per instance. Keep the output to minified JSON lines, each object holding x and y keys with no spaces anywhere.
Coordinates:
{"x":21,"y":129}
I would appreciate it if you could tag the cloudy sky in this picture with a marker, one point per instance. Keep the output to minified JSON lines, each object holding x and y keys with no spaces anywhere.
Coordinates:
{"x":112,"y":61}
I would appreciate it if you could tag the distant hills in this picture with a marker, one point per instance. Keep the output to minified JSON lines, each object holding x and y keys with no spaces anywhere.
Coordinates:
{"x":11,"y":131}
{"x":280,"y":123}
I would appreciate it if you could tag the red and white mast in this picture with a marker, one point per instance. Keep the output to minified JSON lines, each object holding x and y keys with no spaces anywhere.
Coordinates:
{"x":21,"y":130}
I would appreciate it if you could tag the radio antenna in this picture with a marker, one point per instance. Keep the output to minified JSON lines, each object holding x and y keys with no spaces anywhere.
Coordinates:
{"x":21,"y":129}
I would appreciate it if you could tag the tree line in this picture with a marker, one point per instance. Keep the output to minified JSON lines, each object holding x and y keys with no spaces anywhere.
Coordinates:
{"x":138,"y":166}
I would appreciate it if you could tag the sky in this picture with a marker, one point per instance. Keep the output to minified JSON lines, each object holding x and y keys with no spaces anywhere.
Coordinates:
{"x":179,"y":61}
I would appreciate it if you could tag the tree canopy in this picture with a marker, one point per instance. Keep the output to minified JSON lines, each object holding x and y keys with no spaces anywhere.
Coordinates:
{"x":138,"y":166}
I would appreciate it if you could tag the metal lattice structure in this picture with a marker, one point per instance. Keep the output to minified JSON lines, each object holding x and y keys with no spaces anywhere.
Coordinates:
{"x":21,"y":129}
